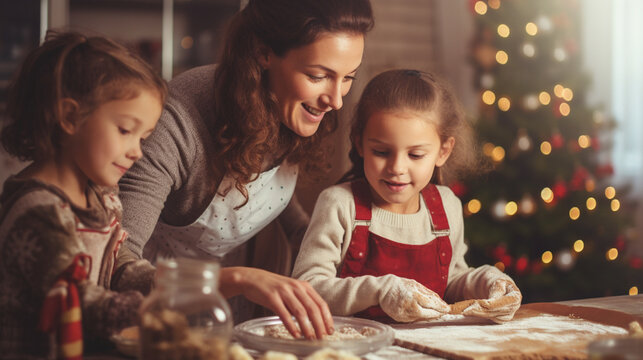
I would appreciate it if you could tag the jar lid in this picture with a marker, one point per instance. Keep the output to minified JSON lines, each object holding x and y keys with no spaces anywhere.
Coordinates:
{"x":186,"y":271}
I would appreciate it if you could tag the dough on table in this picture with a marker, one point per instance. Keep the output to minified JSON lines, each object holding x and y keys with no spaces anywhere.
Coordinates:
{"x":279,"y":331}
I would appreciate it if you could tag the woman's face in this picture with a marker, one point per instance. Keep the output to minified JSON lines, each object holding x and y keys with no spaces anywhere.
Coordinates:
{"x":311,"y":80}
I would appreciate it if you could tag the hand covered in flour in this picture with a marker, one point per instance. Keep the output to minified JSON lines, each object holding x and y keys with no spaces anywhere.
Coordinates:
{"x":503,"y":302}
{"x":408,"y":300}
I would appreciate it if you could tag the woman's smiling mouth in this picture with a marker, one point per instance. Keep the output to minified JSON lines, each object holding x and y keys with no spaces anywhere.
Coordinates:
{"x":311,"y":110}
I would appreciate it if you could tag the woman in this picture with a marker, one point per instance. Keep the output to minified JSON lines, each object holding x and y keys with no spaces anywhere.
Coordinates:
{"x":224,"y":158}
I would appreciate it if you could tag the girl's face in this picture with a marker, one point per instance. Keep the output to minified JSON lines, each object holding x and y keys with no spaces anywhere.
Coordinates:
{"x":400,"y":150}
{"x":311,"y":80}
{"x":108,"y":142}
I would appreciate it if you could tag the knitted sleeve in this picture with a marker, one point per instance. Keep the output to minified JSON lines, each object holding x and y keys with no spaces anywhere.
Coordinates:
{"x":322,"y":250}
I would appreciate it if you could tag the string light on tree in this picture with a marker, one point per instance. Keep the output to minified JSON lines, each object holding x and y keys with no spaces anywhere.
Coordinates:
{"x":527,"y":205}
{"x":502,"y":57}
{"x":544,"y":98}
{"x":531,"y":29}
{"x":503,"y":30}
{"x":579,"y":245}
{"x":530,"y":102}
{"x":564,"y":260}
{"x":529,"y":50}
{"x":544,"y":23}
{"x":498,"y":209}
{"x":560,"y":54}
{"x":488,"y":97}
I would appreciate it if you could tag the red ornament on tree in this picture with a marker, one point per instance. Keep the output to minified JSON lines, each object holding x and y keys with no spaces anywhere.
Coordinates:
{"x":559,"y":189}
{"x":636,"y":263}
{"x":578,"y":178}
{"x":499,"y":251}
{"x":521,"y":264}
{"x":557,"y":141}
{"x":604,"y":170}
{"x":458,"y":188}
{"x":619,"y":244}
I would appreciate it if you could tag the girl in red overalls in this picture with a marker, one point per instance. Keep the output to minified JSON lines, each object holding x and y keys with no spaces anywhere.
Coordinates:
{"x":389,"y":242}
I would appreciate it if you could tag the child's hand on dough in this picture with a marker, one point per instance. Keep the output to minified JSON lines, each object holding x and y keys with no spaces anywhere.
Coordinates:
{"x":503,"y":302}
{"x":408,"y":300}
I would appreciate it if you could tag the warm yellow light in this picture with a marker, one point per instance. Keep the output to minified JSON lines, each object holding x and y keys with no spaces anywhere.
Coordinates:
{"x":511,"y":208}
{"x":591,"y":203}
{"x":494,"y":4}
{"x":474,"y":205}
{"x":611,"y":254}
{"x":558,"y":90}
{"x":503,"y":30}
{"x":500,"y":265}
{"x":584,"y":141}
{"x":610,"y":192}
{"x":187,"y":42}
{"x":590,"y":185}
{"x":547,"y":257}
{"x":504,"y":104}
{"x":574,"y":213}
{"x":615,"y":204}
{"x":502,"y":57}
{"x":634,"y":291}
{"x":531,"y":29}
{"x":488,"y":97}
{"x":545,"y":147}
{"x":579,"y":245}
{"x":567,"y":94}
{"x":564,"y":109}
{"x":480,"y":7}
{"x":547,"y":195}
{"x":544,"y":98}
{"x":498,"y":154}
{"x":487,"y":149}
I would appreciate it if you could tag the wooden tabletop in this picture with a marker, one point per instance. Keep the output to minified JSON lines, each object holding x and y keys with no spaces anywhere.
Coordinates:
{"x":627,"y":304}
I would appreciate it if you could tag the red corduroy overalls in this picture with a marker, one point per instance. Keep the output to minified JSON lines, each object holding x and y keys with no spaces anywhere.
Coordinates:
{"x":371,"y":254}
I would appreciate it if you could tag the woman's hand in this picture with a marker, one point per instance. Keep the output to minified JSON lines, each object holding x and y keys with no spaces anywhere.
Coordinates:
{"x":408,"y":300}
{"x":503,"y":302}
{"x":285,"y":296}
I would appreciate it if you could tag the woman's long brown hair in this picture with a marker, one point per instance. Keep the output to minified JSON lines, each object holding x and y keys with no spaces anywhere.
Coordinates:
{"x":248,"y":127}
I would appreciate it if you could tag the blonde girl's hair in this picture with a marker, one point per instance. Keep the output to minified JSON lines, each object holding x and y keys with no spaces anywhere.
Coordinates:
{"x":90,"y":70}
{"x":420,"y":92}
{"x":248,"y":126}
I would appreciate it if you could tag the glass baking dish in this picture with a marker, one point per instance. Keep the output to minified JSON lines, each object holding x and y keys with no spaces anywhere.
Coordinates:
{"x":251,"y":335}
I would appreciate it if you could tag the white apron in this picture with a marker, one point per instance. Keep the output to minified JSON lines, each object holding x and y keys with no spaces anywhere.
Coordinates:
{"x":221,"y":228}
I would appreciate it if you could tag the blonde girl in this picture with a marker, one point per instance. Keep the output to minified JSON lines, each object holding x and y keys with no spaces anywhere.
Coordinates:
{"x":389,"y":243}
{"x":78,"y":110}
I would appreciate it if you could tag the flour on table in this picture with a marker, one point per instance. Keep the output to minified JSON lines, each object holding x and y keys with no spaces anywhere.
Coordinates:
{"x":524,"y":334}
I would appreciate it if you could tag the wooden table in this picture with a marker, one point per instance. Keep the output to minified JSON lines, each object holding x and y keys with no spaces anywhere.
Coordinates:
{"x":632,"y":305}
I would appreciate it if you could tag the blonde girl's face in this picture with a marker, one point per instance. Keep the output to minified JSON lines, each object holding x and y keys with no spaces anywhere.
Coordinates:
{"x":401,"y":150}
{"x":311,"y":80}
{"x":108,"y":142}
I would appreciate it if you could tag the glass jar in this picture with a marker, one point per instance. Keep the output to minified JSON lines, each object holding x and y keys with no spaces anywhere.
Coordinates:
{"x":185,"y":316}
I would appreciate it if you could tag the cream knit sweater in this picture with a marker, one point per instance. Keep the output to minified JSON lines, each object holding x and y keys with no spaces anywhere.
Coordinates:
{"x":329,"y":234}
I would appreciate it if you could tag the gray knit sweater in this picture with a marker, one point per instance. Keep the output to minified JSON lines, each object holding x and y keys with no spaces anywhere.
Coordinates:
{"x":176,"y":179}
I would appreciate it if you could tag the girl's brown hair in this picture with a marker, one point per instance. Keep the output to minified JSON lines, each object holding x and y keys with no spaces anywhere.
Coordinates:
{"x":412,"y":90}
{"x":89,"y":70}
{"x":248,"y":126}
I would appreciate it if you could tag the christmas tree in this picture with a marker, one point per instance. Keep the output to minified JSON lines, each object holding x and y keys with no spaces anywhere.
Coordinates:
{"x":547,"y":213}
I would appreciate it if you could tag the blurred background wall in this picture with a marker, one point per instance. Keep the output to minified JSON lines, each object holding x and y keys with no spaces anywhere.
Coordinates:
{"x":459,"y":40}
